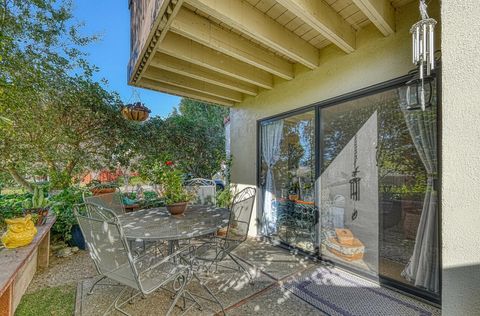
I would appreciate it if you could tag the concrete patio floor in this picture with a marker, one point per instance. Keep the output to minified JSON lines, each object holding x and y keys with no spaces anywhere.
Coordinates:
{"x":273,"y":269}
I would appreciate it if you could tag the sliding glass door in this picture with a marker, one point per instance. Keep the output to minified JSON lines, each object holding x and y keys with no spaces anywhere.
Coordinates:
{"x":287,"y":176}
{"x":361,"y":187}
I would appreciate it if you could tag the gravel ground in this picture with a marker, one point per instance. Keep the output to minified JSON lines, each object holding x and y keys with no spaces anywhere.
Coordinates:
{"x":62,"y":271}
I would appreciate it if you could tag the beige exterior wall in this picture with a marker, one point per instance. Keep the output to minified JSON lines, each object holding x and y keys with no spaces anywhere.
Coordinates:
{"x":377,"y":59}
{"x":461,"y":157}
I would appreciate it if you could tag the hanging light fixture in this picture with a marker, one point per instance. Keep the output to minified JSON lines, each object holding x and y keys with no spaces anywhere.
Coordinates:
{"x":419,"y":93}
{"x":135,"y":111}
{"x":423,"y":52}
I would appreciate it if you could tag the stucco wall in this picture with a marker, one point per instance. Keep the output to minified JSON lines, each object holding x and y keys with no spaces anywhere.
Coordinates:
{"x":377,"y":59}
{"x":461,"y":157}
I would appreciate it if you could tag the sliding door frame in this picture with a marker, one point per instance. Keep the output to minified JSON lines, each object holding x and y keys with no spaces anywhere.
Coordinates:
{"x":316,"y":107}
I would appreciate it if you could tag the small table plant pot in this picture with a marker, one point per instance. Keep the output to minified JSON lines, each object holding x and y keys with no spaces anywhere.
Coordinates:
{"x":222,"y":232}
{"x":100,"y":191}
{"x":39,"y":215}
{"x":176,"y":209}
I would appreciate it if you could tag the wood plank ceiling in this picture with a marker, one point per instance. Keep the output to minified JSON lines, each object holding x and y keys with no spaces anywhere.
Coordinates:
{"x":219,"y":51}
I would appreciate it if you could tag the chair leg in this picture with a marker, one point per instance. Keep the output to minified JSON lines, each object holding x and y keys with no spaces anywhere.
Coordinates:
{"x":179,"y":294}
{"x":95,"y":284}
{"x":250,"y":277}
{"x":116,"y":305}
{"x":209,"y":291}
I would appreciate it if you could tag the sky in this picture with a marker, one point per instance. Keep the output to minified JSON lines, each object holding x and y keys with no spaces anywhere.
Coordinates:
{"x":111,"y":20}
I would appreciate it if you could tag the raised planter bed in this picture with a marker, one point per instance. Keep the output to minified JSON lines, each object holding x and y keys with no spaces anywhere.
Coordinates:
{"x":18,"y":266}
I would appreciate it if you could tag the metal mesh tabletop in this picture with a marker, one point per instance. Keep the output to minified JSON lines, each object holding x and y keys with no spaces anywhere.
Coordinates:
{"x":158,"y":224}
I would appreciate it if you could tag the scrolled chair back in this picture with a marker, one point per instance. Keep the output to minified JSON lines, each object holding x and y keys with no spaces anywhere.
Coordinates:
{"x":203,"y":190}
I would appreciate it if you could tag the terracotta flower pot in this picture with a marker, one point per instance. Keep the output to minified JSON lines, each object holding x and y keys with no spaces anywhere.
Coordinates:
{"x":100,"y":191}
{"x":177,"y":208}
{"x":41,"y":214}
{"x":222,"y":232}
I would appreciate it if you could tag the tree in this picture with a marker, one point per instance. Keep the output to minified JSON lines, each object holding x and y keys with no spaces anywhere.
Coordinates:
{"x":194,"y":137}
{"x":47,"y":92}
{"x":76,"y":126}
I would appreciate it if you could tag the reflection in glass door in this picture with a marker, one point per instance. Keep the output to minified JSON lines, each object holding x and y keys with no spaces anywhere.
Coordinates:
{"x":372,"y":205}
{"x":377,"y":189}
{"x":288,"y":178}
{"x":348,"y":188}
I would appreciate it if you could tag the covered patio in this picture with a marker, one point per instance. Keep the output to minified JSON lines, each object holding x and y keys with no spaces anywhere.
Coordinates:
{"x":323,"y":160}
{"x":318,"y":89}
{"x":285,"y":283}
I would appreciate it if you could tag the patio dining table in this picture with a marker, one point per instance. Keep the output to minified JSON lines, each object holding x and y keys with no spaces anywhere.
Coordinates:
{"x":156,"y":224}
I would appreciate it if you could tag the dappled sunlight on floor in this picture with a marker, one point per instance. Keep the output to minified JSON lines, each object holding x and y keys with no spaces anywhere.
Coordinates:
{"x":266,"y":263}
{"x":284,"y":283}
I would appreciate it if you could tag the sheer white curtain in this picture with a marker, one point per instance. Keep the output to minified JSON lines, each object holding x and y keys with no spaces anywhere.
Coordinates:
{"x":271,"y":138}
{"x":423,"y":267}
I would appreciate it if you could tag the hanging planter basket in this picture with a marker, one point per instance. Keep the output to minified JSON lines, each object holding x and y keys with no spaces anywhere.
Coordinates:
{"x":135,"y":112}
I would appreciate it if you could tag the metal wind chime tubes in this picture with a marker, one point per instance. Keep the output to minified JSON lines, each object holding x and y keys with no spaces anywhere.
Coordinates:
{"x":423,"y":38}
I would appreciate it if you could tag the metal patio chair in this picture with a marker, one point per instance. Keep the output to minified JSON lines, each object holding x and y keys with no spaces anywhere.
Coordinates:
{"x":204,"y":191}
{"x":213,"y":251}
{"x":112,"y":201}
{"x":144,"y":274}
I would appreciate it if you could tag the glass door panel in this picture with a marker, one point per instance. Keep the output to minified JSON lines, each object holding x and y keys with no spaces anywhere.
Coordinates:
{"x":377,"y":190}
{"x":348,"y":186}
{"x":288,"y":178}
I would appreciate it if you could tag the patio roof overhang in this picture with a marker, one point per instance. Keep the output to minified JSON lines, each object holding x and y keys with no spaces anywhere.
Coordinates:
{"x":221,"y":51}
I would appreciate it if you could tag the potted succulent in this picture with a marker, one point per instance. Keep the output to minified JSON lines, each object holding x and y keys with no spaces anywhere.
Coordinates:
{"x":38,"y":206}
{"x":174,"y":194}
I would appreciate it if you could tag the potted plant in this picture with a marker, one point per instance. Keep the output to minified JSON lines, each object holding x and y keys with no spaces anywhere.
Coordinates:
{"x":170,"y":179}
{"x":225,"y":200}
{"x":66,"y":225}
{"x":99,"y":188}
{"x":38,"y":206}
{"x":136,"y":111}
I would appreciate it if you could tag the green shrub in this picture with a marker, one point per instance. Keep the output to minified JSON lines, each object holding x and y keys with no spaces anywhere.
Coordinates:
{"x":63,"y":208}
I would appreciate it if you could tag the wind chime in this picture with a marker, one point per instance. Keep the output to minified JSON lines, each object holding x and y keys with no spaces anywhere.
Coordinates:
{"x":355,"y":180}
{"x":423,"y":52}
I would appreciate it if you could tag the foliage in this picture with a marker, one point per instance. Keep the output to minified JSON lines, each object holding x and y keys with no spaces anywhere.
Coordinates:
{"x":38,"y":200}
{"x":11,"y":205}
{"x":170,"y":178}
{"x":48,"y":301}
{"x":194,"y":137}
{"x":102,"y":185}
{"x":56,"y":120}
{"x":63,"y":208}
{"x":225,"y":197}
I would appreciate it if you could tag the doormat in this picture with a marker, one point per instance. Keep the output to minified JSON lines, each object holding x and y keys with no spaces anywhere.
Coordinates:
{"x":337,"y":292}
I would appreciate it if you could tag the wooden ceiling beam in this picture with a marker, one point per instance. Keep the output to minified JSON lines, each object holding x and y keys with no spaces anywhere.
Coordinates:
{"x":202,"y":30}
{"x":193,"y":52}
{"x":380,"y":12}
{"x":245,"y":18}
{"x":177,"y":80}
{"x":182,"y":92}
{"x":323,"y":18}
{"x":166,"y":62}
